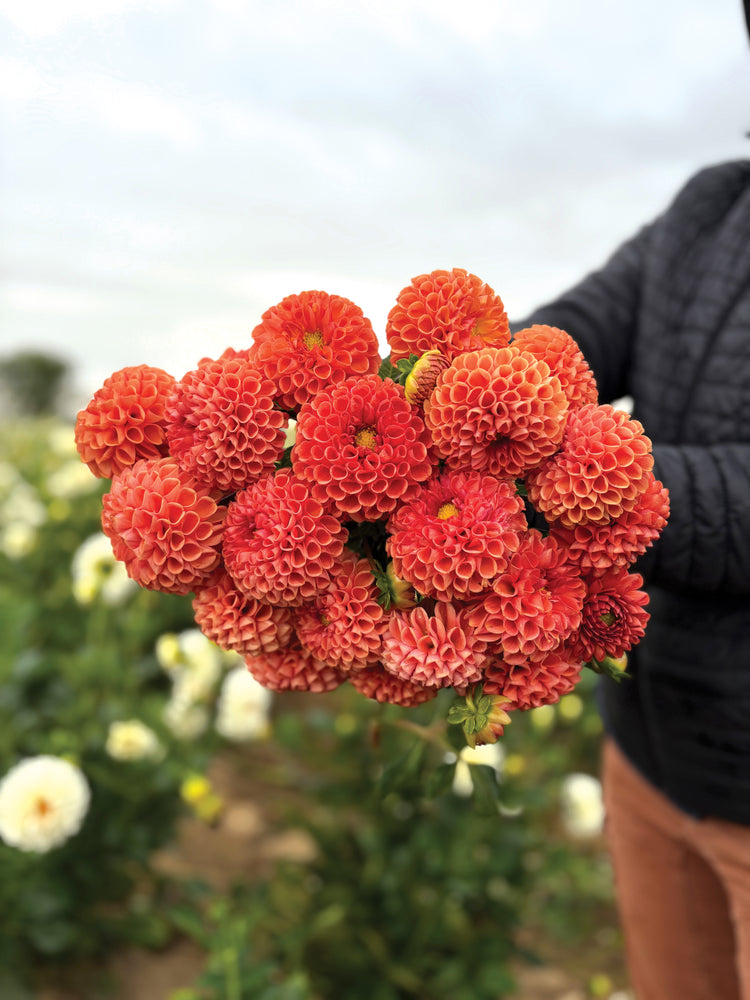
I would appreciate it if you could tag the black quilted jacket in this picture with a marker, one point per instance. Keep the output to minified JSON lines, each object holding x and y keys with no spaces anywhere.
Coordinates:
{"x":667,"y":321}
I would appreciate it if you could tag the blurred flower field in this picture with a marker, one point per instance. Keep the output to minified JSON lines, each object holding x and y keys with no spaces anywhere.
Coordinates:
{"x":429,"y":871}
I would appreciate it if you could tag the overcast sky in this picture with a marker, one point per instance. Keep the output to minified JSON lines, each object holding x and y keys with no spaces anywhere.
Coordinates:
{"x":170,"y":169}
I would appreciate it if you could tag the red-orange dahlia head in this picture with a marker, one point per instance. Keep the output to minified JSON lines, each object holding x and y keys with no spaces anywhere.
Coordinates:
{"x":614,"y":617}
{"x":456,"y":535}
{"x":163,"y":526}
{"x":596,"y":548}
{"x":280,"y":543}
{"x":310,"y":341}
{"x":498,"y":410}
{"x":237,"y":622}
{"x":343,"y":626}
{"x":380,"y":685}
{"x":564,"y":358}
{"x":438,"y":650}
{"x":229,"y":354}
{"x":529,"y":684}
{"x":125,"y":421}
{"x":451,"y":310}
{"x":534,"y":604}
{"x":294,"y":669}
{"x":601,"y":470}
{"x":362,"y":447}
{"x":223,"y":426}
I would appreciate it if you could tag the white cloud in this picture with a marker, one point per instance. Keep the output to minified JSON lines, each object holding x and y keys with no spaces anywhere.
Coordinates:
{"x":43,"y":18}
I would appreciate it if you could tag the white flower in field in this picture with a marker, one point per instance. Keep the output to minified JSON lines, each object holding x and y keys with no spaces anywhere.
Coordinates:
{"x":43,"y":802}
{"x":71,"y":479}
{"x":17,"y":540}
{"x":582,"y":805}
{"x":243,"y":708}
{"x":96,"y":573}
{"x":489,"y":754}
{"x":62,"y":441}
{"x":132,"y":739}
{"x":192,"y":660}
{"x":21,"y":505}
{"x":184,"y":718}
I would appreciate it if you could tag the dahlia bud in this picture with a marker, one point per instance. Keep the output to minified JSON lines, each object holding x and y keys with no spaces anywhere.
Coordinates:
{"x":402,"y":593}
{"x":422,"y":378}
{"x":482,"y":717}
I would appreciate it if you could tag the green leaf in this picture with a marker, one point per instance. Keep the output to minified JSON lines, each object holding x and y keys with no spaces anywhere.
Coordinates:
{"x":440,"y":780}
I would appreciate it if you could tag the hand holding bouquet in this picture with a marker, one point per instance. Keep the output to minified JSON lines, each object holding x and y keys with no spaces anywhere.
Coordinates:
{"x":462,"y":514}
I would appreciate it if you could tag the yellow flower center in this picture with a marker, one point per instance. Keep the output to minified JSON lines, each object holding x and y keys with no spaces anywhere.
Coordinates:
{"x":447,"y":510}
{"x":313,"y":338}
{"x":42,"y":806}
{"x":365,"y":437}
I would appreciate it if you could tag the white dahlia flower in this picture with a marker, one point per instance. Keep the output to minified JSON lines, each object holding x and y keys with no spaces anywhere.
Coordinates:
{"x":243,"y":707}
{"x":43,"y":802}
{"x":132,"y":739}
{"x":582,"y":805}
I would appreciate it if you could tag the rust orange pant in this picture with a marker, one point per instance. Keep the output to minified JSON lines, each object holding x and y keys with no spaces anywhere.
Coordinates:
{"x":683,"y":888}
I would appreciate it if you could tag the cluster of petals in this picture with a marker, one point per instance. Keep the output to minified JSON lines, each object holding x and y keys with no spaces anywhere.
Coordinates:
{"x":453,"y":311}
{"x":312,"y":340}
{"x":532,"y":683}
{"x":564,"y":358}
{"x":125,"y":420}
{"x":535,"y":604}
{"x":229,"y":354}
{"x":223,"y":426}
{"x":344,"y":624}
{"x":362,"y":447}
{"x":614,"y":617}
{"x":378,"y":684}
{"x":596,"y":548}
{"x":602,"y":468}
{"x":438,"y":650}
{"x":163,"y":526}
{"x":280,"y":543}
{"x":499,"y":410}
{"x":456,"y":535}
{"x":236,"y":622}
{"x":294,"y":669}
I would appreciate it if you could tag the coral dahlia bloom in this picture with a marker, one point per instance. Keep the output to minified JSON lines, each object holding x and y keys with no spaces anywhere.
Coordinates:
{"x":437,"y":651}
{"x":498,"y":410}
{"x":564,"y":358}
{"x":223,"y":426}
{"x":602,"y":468}
{"x":614,"y":617}
{"x":378,"y":684}
{"x":310,"y":341}
{"x":453,"y":311}
{"x":280,"y":543}
{"x":363,"y":447}
{"x":163,"y":526}
{"x":294,"y":669}
{"x":596,"y":548}
{"x":125,"y":421}
{"x":530,"y":684}
{"x":239,"y":623}
{"x":534,"y":604}
{"x":344,"y":624}
{"x":456,"y":535}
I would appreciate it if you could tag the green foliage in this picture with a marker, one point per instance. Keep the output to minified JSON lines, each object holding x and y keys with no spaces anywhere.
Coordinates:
{"x":32,"y":382}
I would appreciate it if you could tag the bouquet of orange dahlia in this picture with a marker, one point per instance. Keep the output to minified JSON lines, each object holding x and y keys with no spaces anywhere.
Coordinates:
{"x":462,"y":514}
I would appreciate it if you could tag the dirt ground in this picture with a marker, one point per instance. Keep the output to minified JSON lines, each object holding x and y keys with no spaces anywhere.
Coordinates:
{"x":244,"y":844}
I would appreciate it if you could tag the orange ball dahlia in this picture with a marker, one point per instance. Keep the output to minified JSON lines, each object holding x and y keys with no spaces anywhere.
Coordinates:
{"x":163,"y":526}
{"x":451,"y":310}
{"x":498,"y":410}
{"x":456,"y":535}
{"x":294,"y":669}
{"x":362,"y":447}
{"x":602,"y":468}
{"x":223,"y":426}
{"x":310,"y":341}
{"x":614,"y":617}
{"x":531,"y":684}
{"x":125,"y":421}
{"x":596,"y":548}
{"x":438,"y":650}
{"x":344,"y":624}
{"x":378,"y":684}
{"x":280,"y":543}
{"x":534,"y":604}
{"x":564,"y":358}
{"x":237,"y":622}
